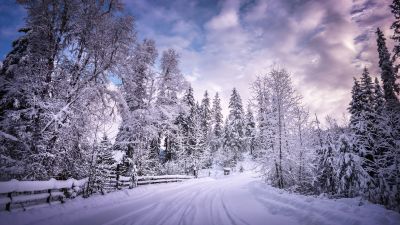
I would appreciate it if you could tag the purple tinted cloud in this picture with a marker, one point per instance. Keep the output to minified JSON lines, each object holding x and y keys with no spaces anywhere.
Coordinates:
{"x":226,"y":44}
{"x":322,"y":43}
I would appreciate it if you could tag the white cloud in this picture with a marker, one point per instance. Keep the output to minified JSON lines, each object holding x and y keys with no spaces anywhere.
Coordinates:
{"x":225,"y":20}
{"x":314,"y":40}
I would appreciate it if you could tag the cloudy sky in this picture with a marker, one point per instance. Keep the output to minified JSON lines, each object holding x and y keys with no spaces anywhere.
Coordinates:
{"x":226,"y":44}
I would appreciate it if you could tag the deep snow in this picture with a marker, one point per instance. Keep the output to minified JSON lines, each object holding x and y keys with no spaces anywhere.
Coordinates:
{"x":235,"y":199}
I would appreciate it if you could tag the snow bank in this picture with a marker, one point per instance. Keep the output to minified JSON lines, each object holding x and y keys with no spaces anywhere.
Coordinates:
{"x":25,"y":186}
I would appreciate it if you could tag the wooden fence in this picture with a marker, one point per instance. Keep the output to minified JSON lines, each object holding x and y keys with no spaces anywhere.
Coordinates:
{"x":16,"y":194}
{"x":142,"y":180}
{"x":22,"y":194}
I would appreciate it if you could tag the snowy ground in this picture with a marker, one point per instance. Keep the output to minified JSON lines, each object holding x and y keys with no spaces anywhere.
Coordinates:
{"x":234,"y":199}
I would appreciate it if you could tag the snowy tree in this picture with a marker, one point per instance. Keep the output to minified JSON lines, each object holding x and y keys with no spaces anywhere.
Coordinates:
{"x":304,"y":147}
{"x":105,"y":166}
{"x":283,"y":101}
{"x":184,"y":132}
{"x":325,"y":180}
{"x":206,"y":115}
{"x":68,"y":52}
{"x":138,"y":134}
{"x":171,"y":81}
{"x":352,"y":178}
{"x":390,"y":144}
{"x":388,"y":75}
{"x":264,"y":135}
{"x":365,"y":128}
{"x":385,"y":154}
{"x":170,"y":84}
{"x":206,"y":124}
{"x":233,"y":140}
{"x":217,"y":126}
{"x":190,"y":148}
{"x":356,"y":106}
{"x":135,"y":139}
{"x":250,"y":130}
{"x":138,"y":75}
{"x":198,"y":155}
{"x":189,"y":118}
{"x":395,"y":8}
{"x":362,"y":113}
{"x":14,"y":128}
{"x":277,"y":137}
{"x":217,"y":116}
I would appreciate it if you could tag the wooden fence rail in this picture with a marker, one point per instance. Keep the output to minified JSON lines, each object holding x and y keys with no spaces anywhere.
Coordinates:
{"x":142,"y":180}
{"x":23,"y":194}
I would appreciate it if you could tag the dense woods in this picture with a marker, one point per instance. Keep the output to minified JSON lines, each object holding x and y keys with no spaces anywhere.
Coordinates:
{"x":55,"y":96}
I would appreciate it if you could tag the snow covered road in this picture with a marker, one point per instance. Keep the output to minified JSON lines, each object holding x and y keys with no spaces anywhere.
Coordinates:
{"x":236,"y":199}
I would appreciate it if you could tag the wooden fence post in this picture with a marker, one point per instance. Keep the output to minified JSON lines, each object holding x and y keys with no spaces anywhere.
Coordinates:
{"x":117,"y":177}
{"x":49,"y":198}
{"x":8,"y":205}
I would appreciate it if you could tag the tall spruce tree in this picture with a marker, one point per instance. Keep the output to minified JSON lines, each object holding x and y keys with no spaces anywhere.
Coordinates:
{"x":388,"y":74}
{"x":105,"y":166}
{"x":383,"y":143}
{"x":325,"y":181}
{"x":395,"y":8}
{"x":233,"y":142}
{"x":355,"y":108}
{"x":365,"y":141}
{"x":352,"y":178}
{"x":264,"y":134}
{"x":198,"y":157}
{"x":192,"y":125}
{"x":178,"y":160}
{"x":217,"y":117}
{"x":206,"y":115}
{"x":250,"y":130}
{"x":363,"y":130}
{"x":391,"y":114}
{"x":206,"y":124}
{"x":217,"y":128}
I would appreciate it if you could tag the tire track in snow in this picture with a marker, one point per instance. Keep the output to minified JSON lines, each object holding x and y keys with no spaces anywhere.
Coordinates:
{"x":238,"y":200}
{"x":130,"y":214}
{"x":175,"y":205}
{"x":212,"y":208}
{"x":132,"y":196}
{"x":163,"y":198}
{"x":228,"y":212}
{"x":306,"y":213}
